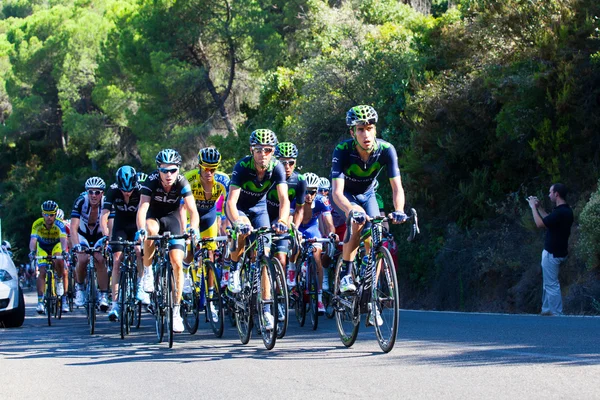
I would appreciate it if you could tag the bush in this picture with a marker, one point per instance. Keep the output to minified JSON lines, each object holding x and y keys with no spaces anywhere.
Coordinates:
{"x":589,"y":227}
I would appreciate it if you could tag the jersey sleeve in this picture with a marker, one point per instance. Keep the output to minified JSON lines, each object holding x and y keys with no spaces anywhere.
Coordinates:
{"x":77,"y":206}
{"x":34,"y":229}
{"x":337,"y":167}
{"x":324,"y":205}
{"x":186,"y":188}
{"x":300,"y":191}
{"x":109,"y":199}
{"x":149,"y":184}
{"x":279,"y":175}
{"x":391,"y":160}
{"x":61,"y":226}
{"x":237,"y":175}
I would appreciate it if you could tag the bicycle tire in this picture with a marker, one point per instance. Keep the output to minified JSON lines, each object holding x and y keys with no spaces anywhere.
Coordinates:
{"x":386,"y":298}
{"x":169,"y":303}
{"x":347,"y":311}
{"x":58,"y":308}
{"x":91,"y":304}
{"x":327,"y":299}
{"x":123,"y":303}
{"x":300,"y":301}
{"x":269,"y":336}
{"x":157,"y":298}
{"x":214,"y":300}
{"x":48,"y":298}
{"x":243,"y":316}
{"x":313,"y":290}
{"x":71,"y":291}
{"x":190,"y":305}
{"x":283,"y":301}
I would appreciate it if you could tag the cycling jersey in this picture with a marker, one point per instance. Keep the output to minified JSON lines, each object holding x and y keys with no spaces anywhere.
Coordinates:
{"x":360,"y":176}
{"x":82,"y":209}
{"x":320,"y":206}
{"x":296,"y":190}
{"x":252,"y":191}
{"x":219,"y":188}
{"x":48,"y":238}
{"x":115,"y":202}
{"x":161,"y":202}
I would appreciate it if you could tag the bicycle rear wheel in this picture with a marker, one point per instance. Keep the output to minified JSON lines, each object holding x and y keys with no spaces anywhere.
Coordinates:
{"x":313,"y":290}
{"x":243,"y":311}
{"x":213,"y":301}
{"x":190,"y":304}
{"x":385,"y":301}
{"x":283,"y":304}
{"x":266,"y":289}
{"x":300,"y":301}
{"x":347,"y":311}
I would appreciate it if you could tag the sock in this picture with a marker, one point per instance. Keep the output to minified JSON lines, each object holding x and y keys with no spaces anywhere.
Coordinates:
{"x":211,"y":292}
{"x":267,"y":308}
{"x":40,"y":298}
{"x":320,"y":296}
{"x":347,"y":266}
{"x":292,"y":266}
{"x":226,"y":265}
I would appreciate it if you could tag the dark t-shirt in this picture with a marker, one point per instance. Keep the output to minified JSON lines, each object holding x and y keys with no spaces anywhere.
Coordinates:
{"x":558,"y":224}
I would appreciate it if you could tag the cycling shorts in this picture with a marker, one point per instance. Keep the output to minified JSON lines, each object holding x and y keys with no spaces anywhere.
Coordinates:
{"x":45,"y":251}
{"x":125,"y":232}
{"x":367,"y":201}
{"x":281,"y":246}
{"x":88,"y":239}
{"x":259,"y":217}
{"x":209,"y":232}
{"x":169,"y":223}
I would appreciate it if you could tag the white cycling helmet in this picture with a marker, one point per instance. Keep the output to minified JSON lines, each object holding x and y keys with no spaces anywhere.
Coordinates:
{"x":324,"y":183}
{"x":312,"y":180}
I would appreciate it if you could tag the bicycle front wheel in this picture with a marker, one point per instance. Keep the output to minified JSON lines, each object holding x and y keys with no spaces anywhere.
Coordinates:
{"x":243,"y":307}
{"x":170,"y":284}
{"x":282,"y":298}
{"x":190,"y":304}
{"x":385,"y":301}
{"x":91,"y":293}
{"x":300,"y":296}
{"x":266,"y":299}
{"x":158,"y":306}
{"x":214,"y":305}
{"x":347,"y":311}
{"x":123,"y":303}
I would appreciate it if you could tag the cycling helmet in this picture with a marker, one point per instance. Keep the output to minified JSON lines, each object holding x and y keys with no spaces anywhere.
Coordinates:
{"x":324,"y":183}
{"x":49,"y":207}
{"x":264,"y":137}
{"x":5,"y":245}
{"x":127,"y":179}
{"x":60,"y":214}
{"x":168,"y":156}
{"x":95,"y":183}
{"x":312,"y":180}
{"x":209,"y":157}
{"x":141,"y":177}
{"x":361,"y":115}
{"x":286,"y":150}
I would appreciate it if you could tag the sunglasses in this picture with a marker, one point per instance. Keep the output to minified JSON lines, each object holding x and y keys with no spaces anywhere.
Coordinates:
{"x":323,"y":190}
{"x":207,"y":169}
{"x":311,"y":192}
{"x":168,"y":170}
{"x":48,"y":215}
{"x":94,"y":192}
{"x":289,"y":162}
{"x":266,"y":150}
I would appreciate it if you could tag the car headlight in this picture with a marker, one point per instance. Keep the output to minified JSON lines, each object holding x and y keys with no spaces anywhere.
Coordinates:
{"x":5,"y":276}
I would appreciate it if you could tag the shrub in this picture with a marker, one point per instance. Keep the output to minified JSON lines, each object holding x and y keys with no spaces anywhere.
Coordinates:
{"x":588,"y":245}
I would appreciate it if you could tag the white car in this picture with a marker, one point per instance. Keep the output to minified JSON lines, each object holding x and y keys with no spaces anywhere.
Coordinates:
{"x":12,"y":302}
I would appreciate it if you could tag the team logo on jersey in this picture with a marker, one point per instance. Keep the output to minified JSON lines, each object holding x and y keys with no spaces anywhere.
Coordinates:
{"x":357,"y":171}
{"x":335,"y":159}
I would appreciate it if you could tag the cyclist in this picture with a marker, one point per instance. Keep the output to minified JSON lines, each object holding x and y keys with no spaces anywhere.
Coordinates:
{"x":287,"y":153}
{"x":86,"y":233}
{"x":158,"y":212}
{"x":314,"y":208}
{"x":122,"y":199}
{"x":355,"y":166}
{"x":48,"y":236}
{"x":7,"y":248}
{"x":246,"y":207}
{"x":208,"y":186}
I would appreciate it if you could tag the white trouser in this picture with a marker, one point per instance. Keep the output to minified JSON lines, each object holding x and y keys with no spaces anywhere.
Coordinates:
{"x":551,"y":296}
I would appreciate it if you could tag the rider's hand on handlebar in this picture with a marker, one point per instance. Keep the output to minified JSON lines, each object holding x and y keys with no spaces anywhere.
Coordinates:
{"x":77,"y":248}
{"x":139,"y":235}
{"x":333,"y":236}
{"x":398,"y":217}
{"x":242,"y":228}
{"x":195,"y":234}
{"x":359,"y":217}
{"x":31,"y":255}
{"x":280,"y":227}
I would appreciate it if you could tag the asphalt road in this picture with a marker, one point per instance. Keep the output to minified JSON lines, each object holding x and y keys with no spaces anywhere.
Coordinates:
{"x":437,"y":355}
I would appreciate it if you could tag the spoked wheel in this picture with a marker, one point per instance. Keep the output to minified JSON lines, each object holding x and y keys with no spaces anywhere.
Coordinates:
{"x":71,"y":291}
{"x":214,"y":305}
{"x":327,"y":299}
{"x":58,"y":307}
{"x":168,"y":296}
{"x":158,"y":308}
{"x":190,"y":304}
{"x":385,"y":301}
{"x":347,"y":311}
{"x":91,"y":303}
{"x":243,"y":315}
{"x":266,"y":298}
{"x":124,"y":304}
{"x":313,"y":293}
{"x":282,"y":298}
{"x":300,"y":303}
{"x":48,"y":298}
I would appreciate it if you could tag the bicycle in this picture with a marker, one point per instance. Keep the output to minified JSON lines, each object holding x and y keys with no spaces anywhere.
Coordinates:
{"x":281,"y":288}
{"x":164,"y":284}
{"x":130,"y":306}
{"x":70,"y":264}
{"x":52,"y":301}
{"x":203,"y":295}
{"x":91,"y":289}
{"x":376,"y":290}
{"x":250,"y":301}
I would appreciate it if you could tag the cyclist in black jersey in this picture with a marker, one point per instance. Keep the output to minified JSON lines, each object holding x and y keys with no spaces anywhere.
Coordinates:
{"x":86,"y":232}
{"x":355,"y":166}
{"x":287,"y":153}
{"x":246,"y":206}
{"x":122,"y":199}
{"x":158,"y":212}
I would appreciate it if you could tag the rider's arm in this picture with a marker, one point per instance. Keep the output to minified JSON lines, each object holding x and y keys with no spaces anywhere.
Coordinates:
{"x":284,"y":202}
{"x":33,"y":244}
{"x":231,"y":204}
{"x":183,"y":215}
{"x":298,"y":215}
{"x":397,"y":193}
{"x":339,"y":199}
{"x":104,"y":222}
{"x":328,"y":223}
{"x":75,"y":231}
{"x":190,"y":206}
{"x":140,"y":218}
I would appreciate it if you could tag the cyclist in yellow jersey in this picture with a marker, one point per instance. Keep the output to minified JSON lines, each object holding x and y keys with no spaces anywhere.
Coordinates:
{"x":208,"y":186}
{"x":48,"y":236}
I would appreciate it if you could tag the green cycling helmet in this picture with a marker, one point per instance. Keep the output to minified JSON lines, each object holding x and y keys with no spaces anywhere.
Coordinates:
{"x":286,"y":150}
{"x":361,"y":115}
{"x":263,"y":137}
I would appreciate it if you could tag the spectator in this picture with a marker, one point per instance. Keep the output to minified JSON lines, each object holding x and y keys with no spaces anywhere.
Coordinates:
{"x":558,"y":228}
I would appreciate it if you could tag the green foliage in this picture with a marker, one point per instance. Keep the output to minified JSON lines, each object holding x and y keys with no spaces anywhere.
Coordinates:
{"x":589,"y":226}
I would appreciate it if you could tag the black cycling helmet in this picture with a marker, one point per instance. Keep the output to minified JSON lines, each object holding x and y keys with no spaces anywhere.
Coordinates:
{"x":126,"y":178}
{"x":49,"y":207}
{"x":209,"y":157}
{"x":168,"y":156}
